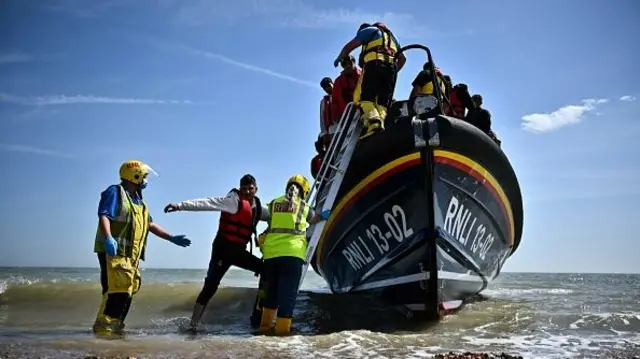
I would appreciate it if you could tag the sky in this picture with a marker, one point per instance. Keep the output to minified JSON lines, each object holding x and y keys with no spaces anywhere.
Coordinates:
{"x":205,"y":91}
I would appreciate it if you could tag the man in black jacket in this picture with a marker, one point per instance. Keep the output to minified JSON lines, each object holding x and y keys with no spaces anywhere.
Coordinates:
{"x":481,"y":118}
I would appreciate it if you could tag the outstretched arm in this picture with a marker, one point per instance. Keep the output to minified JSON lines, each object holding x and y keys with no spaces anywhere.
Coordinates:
{"x":222,"y":204}
{"x":314,"y":217}
{"x":179,"y":240}
{"x":346,"y":50}
{"x":159,"y":231}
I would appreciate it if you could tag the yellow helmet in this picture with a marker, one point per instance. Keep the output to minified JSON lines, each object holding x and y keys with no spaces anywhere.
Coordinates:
{"x":135,"y":171}
{"x":302,"y":182}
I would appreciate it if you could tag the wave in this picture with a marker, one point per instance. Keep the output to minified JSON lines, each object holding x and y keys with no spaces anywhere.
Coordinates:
{"x":510,"y":292}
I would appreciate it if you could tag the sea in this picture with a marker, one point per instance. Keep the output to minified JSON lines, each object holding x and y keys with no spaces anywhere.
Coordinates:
{"x":48,"y":313}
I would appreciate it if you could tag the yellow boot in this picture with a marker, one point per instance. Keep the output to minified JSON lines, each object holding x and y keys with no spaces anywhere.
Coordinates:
{"x":108,"y":325}
{"x":382,"y":111}
{"x":283,"y":326}
{"x":100,"y":315}
{"x":373,"y":126}
{"x":268,"y":315}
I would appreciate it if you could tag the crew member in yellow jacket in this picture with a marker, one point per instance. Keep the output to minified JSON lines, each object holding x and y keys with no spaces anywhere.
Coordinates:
{"x":377,"y":82}
{"x":120,"y":243}
{"x":284,"y":247}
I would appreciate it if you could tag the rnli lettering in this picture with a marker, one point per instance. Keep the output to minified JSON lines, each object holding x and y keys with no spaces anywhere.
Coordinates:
{"x":464,"y":226}
{"x":285,"y":207}
{"x":374,"y":243}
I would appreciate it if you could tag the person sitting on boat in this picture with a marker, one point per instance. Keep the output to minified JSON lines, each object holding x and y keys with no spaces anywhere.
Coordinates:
{"x":120,"y":244}
{"x":344,"y":87}
{"x":327,"y":123}
{"x":284,"y":248}
{"x":460,"y":101}
{"x":423,"y":85}
{"x":377,"y":81}
{"x":316,"y":161}
{"x":240,"y":212}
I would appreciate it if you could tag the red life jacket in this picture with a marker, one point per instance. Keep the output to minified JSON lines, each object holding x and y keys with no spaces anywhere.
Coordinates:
{"x":326,"y":112}
{"x":316,"y":163}
{"x":343,"y":90}
{"x":456,"y":104}
{"x":239,"y":227}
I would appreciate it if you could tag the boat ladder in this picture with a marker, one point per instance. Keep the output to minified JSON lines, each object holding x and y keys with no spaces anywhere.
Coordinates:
{"x":325,"y":188}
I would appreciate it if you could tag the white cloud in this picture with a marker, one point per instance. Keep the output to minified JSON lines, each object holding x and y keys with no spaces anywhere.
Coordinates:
{"x":628,"y":98}
{"x":289,"y":13}
{"x":84,"y":99}
{"x":33,"y":150}
{"x":564,"y":116}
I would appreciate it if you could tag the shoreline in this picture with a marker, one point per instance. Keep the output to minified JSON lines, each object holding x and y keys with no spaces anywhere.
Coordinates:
{"x":223,"y":354}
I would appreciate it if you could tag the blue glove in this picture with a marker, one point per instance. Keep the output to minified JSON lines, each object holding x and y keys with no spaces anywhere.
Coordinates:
{"x":325,"y":214}
{"x":110,"y":246}
{"x":180,"y":240}
{"x":336,"y":62}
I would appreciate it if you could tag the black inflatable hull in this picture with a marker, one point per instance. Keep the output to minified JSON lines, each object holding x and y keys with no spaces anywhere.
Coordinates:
{"x":378,"y":237}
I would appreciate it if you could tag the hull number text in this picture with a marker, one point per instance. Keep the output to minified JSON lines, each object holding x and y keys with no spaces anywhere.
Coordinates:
{"x":377,"y":241}
{"x":464,"y":226}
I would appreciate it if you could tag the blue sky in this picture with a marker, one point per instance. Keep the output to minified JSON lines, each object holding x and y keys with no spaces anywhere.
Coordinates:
{"x":205,"y":91}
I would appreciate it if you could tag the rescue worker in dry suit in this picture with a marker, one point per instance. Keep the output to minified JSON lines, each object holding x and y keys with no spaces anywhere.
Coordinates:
{"x":327,"y":125}
{"x":240,"y":211}
{"x":284,"y":247}
{"x":377,"y":81}
{"x":120,"y":244}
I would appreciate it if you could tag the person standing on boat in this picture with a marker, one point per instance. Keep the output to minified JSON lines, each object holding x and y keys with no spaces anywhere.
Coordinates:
{"x":120,"y":243}
{"x":284,"y":247}
{"x":481,"y":118}
{"x":344,"y":87}
{"x":316,"y":161}
{"x":240,"y":212}
{"x":327,"y":126}
{"x":460,"y":101}
{"x":377,"y":81}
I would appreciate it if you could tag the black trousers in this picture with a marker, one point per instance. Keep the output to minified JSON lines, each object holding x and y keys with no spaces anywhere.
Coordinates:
{"x":118,"y":304}
{"x":282,"y":275}
{"x":378,"y":82}
{"x":224,"y":254}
